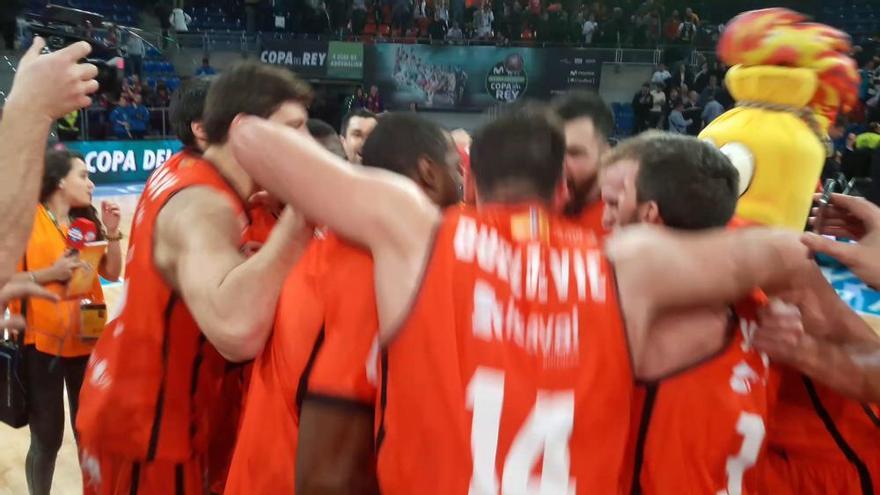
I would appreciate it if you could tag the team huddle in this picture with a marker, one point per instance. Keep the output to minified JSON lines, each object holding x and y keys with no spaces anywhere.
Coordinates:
{"x":296,"y":322}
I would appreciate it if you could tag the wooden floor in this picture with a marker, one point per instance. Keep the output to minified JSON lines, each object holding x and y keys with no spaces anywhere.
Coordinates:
{"x":14,"y":443}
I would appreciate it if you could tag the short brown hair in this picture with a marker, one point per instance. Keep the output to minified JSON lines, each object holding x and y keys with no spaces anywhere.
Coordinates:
{"x":693,"y":182}
{"x":251,"y":88}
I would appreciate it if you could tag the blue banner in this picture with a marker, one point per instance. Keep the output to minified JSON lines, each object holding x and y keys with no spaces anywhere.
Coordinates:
{"x":853,"y":291}
{"x":118,"y":162}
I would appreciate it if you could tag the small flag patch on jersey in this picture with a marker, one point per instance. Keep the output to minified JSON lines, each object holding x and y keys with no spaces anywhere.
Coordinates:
{"x":531,"y":225}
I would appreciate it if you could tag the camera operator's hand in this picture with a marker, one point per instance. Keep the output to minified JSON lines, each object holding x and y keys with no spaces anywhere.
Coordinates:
{"x":54,"y":84}
{"x":854,"y":218}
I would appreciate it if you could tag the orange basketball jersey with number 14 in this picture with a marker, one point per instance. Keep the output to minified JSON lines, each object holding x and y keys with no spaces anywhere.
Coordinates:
{"x":512,"y":373}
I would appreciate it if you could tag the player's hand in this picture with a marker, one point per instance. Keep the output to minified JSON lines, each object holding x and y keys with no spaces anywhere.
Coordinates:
{"x":111,"y":215}
{"x":294,"y":224}
{"x":780,"y":333}
{"x":17,"y":290}
{"x":853,"y":218}
{"x":63,"y":269}
{"x":54,"y":84}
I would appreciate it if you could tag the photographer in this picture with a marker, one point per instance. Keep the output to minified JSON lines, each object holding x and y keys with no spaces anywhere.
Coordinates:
{"x":45,"y":88}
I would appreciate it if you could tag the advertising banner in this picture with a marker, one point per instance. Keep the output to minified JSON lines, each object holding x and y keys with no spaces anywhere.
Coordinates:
{"x":476,"y":77}
{"x":118,"y":162}
{"x":315,"y":59}
{"x":853,"y":291}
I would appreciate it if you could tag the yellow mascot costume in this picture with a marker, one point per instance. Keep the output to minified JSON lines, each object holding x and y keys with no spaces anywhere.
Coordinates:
{"x":789,"y":78}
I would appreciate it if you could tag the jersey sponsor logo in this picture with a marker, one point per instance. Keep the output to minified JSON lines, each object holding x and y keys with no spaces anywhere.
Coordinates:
{"x":160,"y":182}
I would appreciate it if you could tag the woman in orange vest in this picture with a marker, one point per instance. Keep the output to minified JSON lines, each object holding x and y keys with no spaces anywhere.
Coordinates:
{"x":55,"y":353}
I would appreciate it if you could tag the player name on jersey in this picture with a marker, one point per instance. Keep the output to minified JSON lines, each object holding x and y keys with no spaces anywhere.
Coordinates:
{"x":532,"y":272}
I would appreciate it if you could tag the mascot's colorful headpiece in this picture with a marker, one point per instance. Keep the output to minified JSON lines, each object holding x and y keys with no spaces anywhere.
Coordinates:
{"x":789,"y":78}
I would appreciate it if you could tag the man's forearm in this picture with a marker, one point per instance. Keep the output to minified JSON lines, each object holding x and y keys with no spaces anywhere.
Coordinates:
{"x":23,"y":137}
{"x":248,"y":296}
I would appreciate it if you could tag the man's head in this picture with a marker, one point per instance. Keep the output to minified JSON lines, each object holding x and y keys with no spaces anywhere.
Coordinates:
{"x":674,"y":180}
{"x":588,"y":125}
{"x":419,"y":149}
{"x":661,"y":67}
{"x":837,"y":128}
{"x":519,"y":156}
{"x":257,"y":89}
{"x":713,"y":80}
{"x":646,"y":88}
{"x":206,"y":62}
{"x":326,"y":135}
{"x":374,"y":90}
{"x":356,"y":128}
{"x":185,"y":113}
{"x":694,"y":96}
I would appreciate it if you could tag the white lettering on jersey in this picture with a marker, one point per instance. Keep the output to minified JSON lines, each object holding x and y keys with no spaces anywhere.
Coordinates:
{"x":527,"y":273}
{"x":742,"y":378}
{"x":160,"y":182}
{"x":555,"y":336}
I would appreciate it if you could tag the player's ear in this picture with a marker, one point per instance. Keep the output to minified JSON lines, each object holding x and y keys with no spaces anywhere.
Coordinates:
{"x":199,"y":132}
{"x":649,"y":212}
{"x":428,"y":178}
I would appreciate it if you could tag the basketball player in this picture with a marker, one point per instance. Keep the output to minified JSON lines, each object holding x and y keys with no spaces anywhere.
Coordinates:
{"x":185,"y":113}
{"x":702,"y":426}
{"x":326,"y":135}
{"x":317,"y":375}
{"x":588,"y":125}
{"x":502,"y":323}
{"x":356,"y":128}
{"x":45,"y":88}
{"x":190,"y":300}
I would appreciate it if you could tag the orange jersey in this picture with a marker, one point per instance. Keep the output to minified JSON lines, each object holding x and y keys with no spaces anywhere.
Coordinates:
{"x":703,"y":430}
{"x":153,"y":380}
{"x":324,"y":331}
{"x":591,"y":218}
{"x":512,"y":371}
{"x":821,"y":442}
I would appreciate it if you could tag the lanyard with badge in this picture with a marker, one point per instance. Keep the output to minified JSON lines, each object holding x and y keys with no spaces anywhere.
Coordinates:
{"x":93,"y":315}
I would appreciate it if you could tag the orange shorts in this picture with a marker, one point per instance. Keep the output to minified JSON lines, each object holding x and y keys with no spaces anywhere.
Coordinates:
{"x":789,"y":476}
{"x":114,"y":475}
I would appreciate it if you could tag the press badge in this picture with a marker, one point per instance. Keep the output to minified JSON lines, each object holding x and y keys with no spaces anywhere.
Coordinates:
{"x":94,"y":318}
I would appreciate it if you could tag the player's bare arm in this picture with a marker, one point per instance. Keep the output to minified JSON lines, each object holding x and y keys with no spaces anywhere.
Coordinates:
{"x":335,"y":453}
{"x":232,"y":298}
{"x":376,"y":208}
{"x":46,"y":87}
{"x":708,"y":270}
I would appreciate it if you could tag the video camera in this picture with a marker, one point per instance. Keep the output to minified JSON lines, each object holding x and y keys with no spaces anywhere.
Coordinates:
{"x":62,"y":26}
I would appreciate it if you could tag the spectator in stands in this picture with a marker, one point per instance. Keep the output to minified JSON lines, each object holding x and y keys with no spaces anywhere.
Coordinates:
{"x":454,"y":33}
{"x":661,"y":75}
{"x":681,"y":78}
{"x":120,"y":119}
{"x":690,"y":15}
{"x":358,"y":16}
{"x":701,"y":78}
{"x":159,"y":98}
{"x":642,"y":103}
{"x":179,"y":20}
{"x":866,"y":89}
{"x":438,"y":28}
{"x":483,"y":20}
{"x":8,"y":15}
{"x":163,"y":13}
{"x":670,"y":29}
{"x":658,"y":104}
{"x":401,"y":15}
{"x":135,"y":51}
{"x":375,"y":103}
{"x":710,"y":90}
{"x":326,"y":135}
{"x":711,"y":110}
{"x":589,"y":28}
{"x":871,"y":139}
{"x":356,"y":128}
{"x":687,"y":31}
{"x":205,"y":69}
{"x":139,"y":117}
{"x":68,"y":126}
{"x":677,"y":123}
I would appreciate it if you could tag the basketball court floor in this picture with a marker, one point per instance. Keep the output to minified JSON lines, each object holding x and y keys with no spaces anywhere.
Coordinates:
{"x":14,"y":443}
